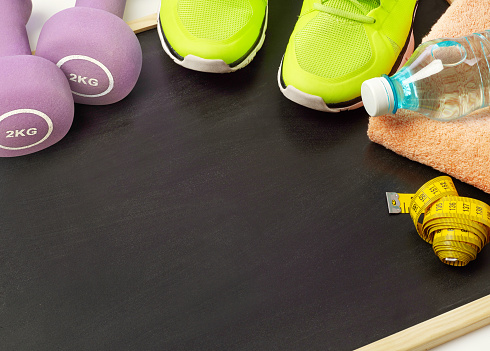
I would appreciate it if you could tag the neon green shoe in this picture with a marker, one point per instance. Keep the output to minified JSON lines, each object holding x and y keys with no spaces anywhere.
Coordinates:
{"x":338,"y":44}
{"x":217,"y":36}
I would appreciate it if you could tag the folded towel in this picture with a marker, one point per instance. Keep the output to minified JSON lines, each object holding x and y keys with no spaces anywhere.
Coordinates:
{"x":460,"y":148}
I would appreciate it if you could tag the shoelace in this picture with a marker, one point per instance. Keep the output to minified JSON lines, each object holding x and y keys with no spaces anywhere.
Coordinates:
{"x":346,"y":14}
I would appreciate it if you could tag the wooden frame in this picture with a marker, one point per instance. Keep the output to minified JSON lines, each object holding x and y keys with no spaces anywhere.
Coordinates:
{"x":144,"y":23}
{"x":423,"y":336}
{"x":438,"y":330}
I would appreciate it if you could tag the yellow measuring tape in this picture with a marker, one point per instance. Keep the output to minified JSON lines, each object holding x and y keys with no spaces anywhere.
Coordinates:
{"x":457,"y":227}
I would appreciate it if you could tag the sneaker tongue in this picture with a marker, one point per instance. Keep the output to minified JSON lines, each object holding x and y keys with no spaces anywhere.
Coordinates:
{"x":348,"y":6}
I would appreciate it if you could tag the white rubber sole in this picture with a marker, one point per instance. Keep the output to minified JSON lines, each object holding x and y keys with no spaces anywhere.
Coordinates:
{"x":200,"y":64}
{"x":316,"y":102}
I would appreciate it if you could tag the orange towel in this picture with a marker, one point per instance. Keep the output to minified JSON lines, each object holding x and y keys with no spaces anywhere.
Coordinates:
{"x":460,"y":148}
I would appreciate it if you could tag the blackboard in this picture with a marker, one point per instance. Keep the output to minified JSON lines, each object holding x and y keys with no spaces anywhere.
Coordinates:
{"x":208,"y":212}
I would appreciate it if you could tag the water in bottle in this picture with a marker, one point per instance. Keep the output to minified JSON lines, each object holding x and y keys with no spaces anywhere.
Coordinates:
{"x":444,"y":79}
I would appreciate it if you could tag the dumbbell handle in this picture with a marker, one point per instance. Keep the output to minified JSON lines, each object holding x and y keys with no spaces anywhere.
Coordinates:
{"x":14,"y":15}
{"x":115,"y":7}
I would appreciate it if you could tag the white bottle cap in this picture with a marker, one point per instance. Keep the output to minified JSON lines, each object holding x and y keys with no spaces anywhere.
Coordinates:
{"x":377,"y":96}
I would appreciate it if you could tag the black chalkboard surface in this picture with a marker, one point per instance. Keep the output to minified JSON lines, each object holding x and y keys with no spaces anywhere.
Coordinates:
{"x":208,"y":212}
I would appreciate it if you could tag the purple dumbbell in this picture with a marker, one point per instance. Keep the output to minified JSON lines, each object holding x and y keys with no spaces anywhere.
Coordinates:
{"x":97,"y":50}
{"x":36,"y":104}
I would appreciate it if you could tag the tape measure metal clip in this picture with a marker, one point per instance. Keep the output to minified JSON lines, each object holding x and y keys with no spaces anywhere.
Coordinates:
{"x":393,"y":202}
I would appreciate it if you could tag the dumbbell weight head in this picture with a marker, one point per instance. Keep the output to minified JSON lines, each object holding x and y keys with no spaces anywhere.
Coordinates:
{"x":36,"y":104}
{"x":36,"y":109}
{"x":98,"y":52}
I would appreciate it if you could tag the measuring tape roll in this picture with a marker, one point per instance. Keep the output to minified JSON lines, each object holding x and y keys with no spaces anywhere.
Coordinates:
{"x":457,"y":227}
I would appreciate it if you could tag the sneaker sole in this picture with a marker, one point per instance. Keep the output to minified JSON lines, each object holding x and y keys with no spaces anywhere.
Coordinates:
{"x":317,"y":103}
{"x":200,"y":64}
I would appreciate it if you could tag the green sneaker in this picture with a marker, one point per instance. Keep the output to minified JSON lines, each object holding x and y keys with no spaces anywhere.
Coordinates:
{"x":217,"y":36}
{"x":338,"y":44}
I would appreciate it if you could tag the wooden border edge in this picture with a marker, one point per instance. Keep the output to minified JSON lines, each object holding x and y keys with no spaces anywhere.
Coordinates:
{"x":144,"y":23}
{"x":438,"y":330}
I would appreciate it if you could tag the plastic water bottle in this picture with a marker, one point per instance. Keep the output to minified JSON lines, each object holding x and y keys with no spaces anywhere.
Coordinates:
{"x":444,"y":79}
